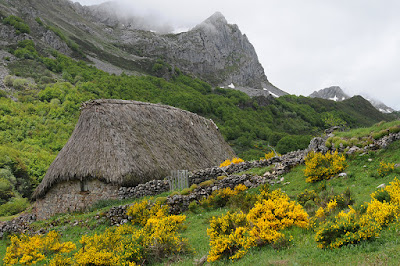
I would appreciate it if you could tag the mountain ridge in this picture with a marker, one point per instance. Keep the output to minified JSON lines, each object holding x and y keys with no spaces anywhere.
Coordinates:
{"x":335,"y":93}
{"x":214,"y":51}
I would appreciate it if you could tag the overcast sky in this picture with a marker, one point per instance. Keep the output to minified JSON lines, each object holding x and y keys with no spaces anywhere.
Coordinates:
{"x":305,"y":45}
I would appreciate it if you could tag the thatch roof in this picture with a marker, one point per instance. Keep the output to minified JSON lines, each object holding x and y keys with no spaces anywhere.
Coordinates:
{"x":128,"y":143}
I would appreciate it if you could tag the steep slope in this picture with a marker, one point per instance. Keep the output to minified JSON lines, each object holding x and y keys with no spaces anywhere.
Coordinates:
{"x":214,"y":51}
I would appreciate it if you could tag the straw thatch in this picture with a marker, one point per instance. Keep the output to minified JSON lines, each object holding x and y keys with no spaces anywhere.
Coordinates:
{"x":128,"y":142}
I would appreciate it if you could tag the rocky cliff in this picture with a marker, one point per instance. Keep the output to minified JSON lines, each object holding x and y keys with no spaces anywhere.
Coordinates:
{"x":214,"y":50}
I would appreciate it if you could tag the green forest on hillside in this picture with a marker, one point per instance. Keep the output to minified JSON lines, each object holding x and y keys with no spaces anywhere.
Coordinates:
{"x":39,"y":114}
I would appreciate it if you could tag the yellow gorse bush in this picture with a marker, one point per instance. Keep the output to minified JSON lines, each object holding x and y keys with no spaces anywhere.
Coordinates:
{"x":385,"y":168}
{"x":345,"y":228}
{"x":228,"y":162}
{"x":128,"y":245}
{"x":101,"y":249}
{"x":229,"y":236}
{"x":59,"y":260}
{"x":234,"y":233}
{"x":269,"y":155}
{"x":352,"y":227}
{"x":323,"y":166}
{"x":141,"y":211}
{"x":220,"y":197}
{"x":29,"y":250}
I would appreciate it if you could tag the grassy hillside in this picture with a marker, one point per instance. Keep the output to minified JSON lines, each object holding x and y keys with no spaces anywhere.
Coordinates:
{"x":46,"y":88}
{"x":300,"y":246}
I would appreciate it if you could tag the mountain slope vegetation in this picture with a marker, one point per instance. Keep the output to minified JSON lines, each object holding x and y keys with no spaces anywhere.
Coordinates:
{"x":43,"y":88}
{"x":47,"y":94}
{"x":322,"y":201}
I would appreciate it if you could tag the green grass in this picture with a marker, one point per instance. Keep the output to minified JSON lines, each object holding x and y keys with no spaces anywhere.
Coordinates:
{"x":302,"y":250}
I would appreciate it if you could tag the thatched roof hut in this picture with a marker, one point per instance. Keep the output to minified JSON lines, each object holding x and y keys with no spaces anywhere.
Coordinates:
{"x":126,"y":143}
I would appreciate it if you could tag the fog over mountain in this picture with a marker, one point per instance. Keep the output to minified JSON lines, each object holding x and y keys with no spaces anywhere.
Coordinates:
{"x":303,"y":46}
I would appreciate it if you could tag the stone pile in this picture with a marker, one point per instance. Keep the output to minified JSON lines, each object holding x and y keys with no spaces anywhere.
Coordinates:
{"x":17,"y":225}
{"x":387,"y":140}
{"x":117,"y":215}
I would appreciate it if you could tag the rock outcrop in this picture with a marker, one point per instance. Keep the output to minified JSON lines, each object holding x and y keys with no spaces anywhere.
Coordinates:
{"x":214,"y":51}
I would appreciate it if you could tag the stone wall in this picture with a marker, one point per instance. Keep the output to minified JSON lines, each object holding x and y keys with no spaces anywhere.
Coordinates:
{"x":68,"y":197}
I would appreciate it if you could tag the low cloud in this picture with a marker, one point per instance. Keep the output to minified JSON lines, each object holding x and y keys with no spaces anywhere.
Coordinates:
{"x":303,"y":45}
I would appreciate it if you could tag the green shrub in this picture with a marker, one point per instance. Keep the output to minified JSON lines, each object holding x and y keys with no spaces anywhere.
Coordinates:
{"x":291,"y":143}
{"x":21,"y":84}
{"x":6,"y":190}
{"x":39,"y":21}
{"x":380,"y":134}
{"x":175,"y":193}
{"x":161,"y":200}
{"x":243,"y":201}
{"x":26,"y":50}
{"x":193,"y":187}
{"x":382,"y":196}
{"x":306,"y":195}
{"x":185,"y":191}
{"x":8,"y":80}
{"x":194,"y":207}
{"x":394,"y":129}
{"x":207,"y":183}
{"x":19,"y":25}
{"x":221,"y":177}
{"x":14,"y":206}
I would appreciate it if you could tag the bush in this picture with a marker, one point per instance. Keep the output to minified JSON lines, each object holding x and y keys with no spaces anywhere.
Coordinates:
{"x":352,"y":227}
{"x":306,"y":195}
{"x":219,"y":198}
{"x":128,"y":245}
{"x":14,"y":206}
{"x":194,"y":207}
{"x":323,"y":166}
{"x":6,"y":190}
{"x":385,"y":168}
{"x":22,"y":84}
{"x":8,"y":80}
{"x":292,"y":143}
{"x":19,"y":25}
{"x":228,"y":162}
{"x":231,"y":235}
{"x":185,"y":191}
{"x":242,"y":201}
{"x":346,"y":228}
{"x":193,"y":187}
{"x":39,"y":21}
{"x":207,"y":183}
{"x":28,"y":250}
{"x":142,"y":211}
{"x":273,"y":214}
{"x":269,"y":155}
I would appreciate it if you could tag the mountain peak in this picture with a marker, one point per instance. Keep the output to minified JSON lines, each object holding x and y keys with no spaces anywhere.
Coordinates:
{"x":334,"y":93}
{"x":216,"y":18}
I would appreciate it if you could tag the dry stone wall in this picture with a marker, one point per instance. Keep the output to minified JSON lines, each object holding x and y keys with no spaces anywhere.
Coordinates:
{"x":67,"y":196}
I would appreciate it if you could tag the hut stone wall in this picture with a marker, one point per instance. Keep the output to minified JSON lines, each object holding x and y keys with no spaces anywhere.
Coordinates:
{"x":69,"y":197}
